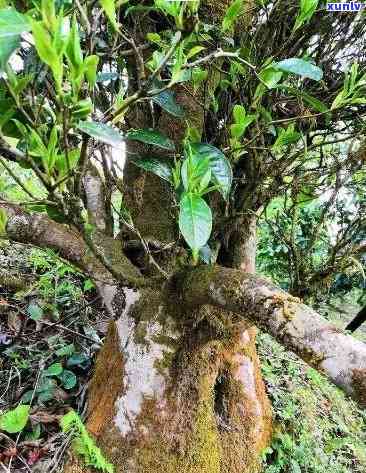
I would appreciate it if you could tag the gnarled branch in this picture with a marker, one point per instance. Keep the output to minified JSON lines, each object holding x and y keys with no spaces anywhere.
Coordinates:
{"x":39,"y":230}
{"x":328,"y":349}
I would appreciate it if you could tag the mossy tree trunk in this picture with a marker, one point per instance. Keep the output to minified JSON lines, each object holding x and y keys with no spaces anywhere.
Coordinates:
{"x":173,"y":392}
{"x":176,"y":389}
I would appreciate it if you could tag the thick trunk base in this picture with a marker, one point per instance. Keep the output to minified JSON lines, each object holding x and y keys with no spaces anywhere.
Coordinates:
{"x":173,"y":399}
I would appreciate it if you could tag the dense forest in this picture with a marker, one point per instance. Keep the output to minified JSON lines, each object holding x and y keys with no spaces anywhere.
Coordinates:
{"x":182,"y":236}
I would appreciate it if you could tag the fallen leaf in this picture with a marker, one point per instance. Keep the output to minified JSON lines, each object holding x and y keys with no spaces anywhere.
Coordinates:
{"x":14,"y":322}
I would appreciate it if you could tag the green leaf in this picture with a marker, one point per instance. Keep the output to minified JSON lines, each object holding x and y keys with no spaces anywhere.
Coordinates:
{"x":73,"y":49}
{"x":88,"y":285}
{"x":27,"y":397}
{"x":68,"y":379}
{"x":222,"y":174}
{"x":80,"y":360}
{"x":15,"y":420}
{"x":300,"y":67}
{"x":46,"y":395}
{"x":3,"y":221}
{"x":49,"y":14}
{"x":35,"y":434}
{"x":61,"y":165}
{"x":286,"y":137}
{"x":35,"y":312}
{"x":46,"y":384}
{"x":206,"y":178}
{"x":193,"y":170}
{"x":195,"y":221}
{"x":180,"y":59}
{"x":12,"y":23}
{"x":158,"y":167}
{"x":154,"y":38}
{"x":232,"y":14}
{"x":83,"y":443}
{"x":166,"y":100}
{"x":237,"y":130}
{"x":55,"y":214}
{"x":6,"y":50}
{"x":198,"y":75}
{"x":43,"y":43}
{"x":271,"y":76}
{"x":109,"y":7}
{"x":102,"y":132}
{"x":46,"y":51}
{"x":66,"y":350}
{"x":54,"y":370}
{"x":151,"y":137}
{"x":307,"y":10}
{"x":91,"y":66}
{"x":239,"y":113}
{"x":194,"y":51}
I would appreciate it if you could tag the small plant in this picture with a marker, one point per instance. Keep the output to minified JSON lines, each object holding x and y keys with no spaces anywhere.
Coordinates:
{"x":15,"y":420}
{"x":83,"y":444}
{"x":56,"y":283}
{"x":53,"y":376}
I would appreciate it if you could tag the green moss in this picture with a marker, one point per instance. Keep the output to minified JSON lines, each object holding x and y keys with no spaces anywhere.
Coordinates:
{"x":165,"y":363}
{"x":202,"y":452}
{"x":205,"y":452}
{"x":179,"y":432}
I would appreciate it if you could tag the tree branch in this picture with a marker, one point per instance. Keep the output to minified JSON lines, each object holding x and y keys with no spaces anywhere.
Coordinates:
{"x":39,"y":230}
{"x":328,"y":349}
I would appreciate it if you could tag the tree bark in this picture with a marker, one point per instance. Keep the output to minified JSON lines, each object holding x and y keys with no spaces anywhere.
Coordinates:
{"x":169,"y":394}
{"x":340,"y":357}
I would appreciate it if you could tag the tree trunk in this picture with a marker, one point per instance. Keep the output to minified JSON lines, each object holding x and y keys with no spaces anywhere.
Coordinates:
{"x":175,"y":396}
{"x":177,"y":383}
{"x":171,"y":391}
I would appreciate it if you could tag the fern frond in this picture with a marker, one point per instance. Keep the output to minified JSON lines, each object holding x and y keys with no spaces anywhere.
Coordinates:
{"x":83,"y":443}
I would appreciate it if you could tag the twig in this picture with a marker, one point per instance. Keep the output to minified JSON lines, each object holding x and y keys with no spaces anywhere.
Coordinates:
{"x":69,"y":330}
{"x":30,"y":202}
{"x":141,"y":92}
{"x":84,"y":16}
{"x":224,"y":54}
{"x":166,"y":58}
{"x":40,"y":369}
{"x":67,"y":316}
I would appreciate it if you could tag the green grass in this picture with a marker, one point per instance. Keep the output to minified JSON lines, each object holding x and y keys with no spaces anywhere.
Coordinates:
{"x":317,"y":429}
